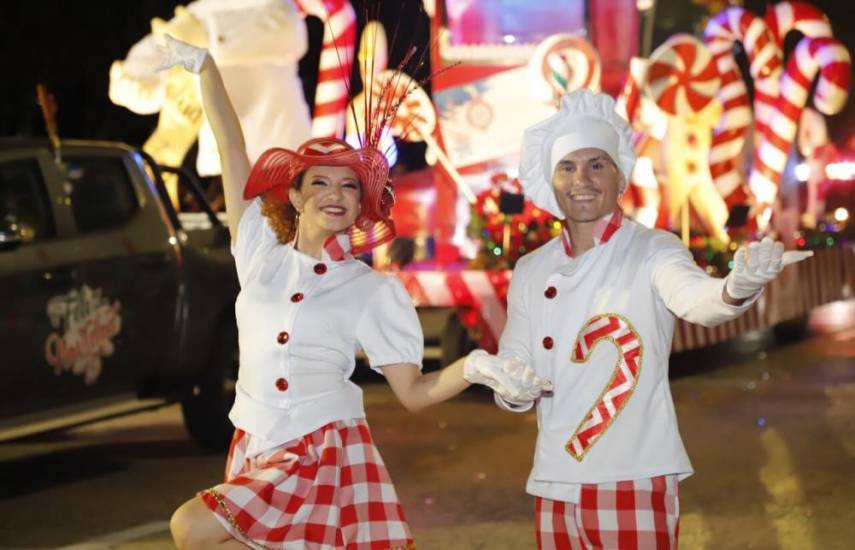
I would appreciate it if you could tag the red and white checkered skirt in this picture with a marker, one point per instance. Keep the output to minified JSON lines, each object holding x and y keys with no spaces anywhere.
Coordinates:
{"x":643,"y":514}
{"x":328,"y":489}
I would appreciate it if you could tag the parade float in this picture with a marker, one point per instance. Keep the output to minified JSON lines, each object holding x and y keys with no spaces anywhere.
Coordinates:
{"x":723,"y":157}
{"x":716,"y":148}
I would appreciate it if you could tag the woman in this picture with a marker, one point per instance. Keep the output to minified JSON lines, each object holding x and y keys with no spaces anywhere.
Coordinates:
{"x":302,"y":470}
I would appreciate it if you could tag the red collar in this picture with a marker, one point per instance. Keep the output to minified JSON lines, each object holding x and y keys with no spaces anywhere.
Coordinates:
{"x":604,"y":229}
{"x":336,"y":247}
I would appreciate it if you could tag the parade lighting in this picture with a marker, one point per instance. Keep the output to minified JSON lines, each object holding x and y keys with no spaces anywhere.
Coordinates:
{"x":509,"y":39}
{"x":841,"y":215}
{"x":840,"y":170}
{"x":643,"y":5}
{"x":802,"y":171}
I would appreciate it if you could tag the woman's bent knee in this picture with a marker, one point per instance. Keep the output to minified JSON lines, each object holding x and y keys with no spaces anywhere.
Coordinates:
{"x":193,"y":526}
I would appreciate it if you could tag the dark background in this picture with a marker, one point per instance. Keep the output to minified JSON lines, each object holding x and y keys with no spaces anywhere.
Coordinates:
{"x":69,"y":46}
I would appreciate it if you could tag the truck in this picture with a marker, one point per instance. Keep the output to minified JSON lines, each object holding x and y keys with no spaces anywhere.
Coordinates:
{"x":109,"y":302}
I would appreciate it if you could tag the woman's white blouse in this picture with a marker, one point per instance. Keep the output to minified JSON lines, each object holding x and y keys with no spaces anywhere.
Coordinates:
{"x":300,"y":322}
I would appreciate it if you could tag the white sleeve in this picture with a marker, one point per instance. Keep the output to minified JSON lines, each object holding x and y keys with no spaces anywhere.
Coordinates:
{"x":389,"y":330}
{"x":516,"y":337}
{"x":255,"y":238}
{"x":687,"y":291}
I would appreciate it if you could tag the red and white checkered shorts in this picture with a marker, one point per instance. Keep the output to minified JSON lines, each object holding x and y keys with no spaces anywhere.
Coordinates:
{"x":626,"y":515}
{"x":328,"y":489}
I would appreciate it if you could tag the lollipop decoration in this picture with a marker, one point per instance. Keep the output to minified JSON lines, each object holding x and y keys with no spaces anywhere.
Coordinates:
{"x":682,"y":80}
{"x":682,"y":77}
{"x":412,"y":117}
{"x":562,"y":63}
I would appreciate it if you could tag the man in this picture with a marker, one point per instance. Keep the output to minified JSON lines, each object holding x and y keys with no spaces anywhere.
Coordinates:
{"x":593,"y":311}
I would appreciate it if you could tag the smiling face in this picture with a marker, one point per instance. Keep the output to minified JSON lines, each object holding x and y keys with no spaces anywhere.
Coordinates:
{"x":329,"y":198}
{"x":587,"y":184}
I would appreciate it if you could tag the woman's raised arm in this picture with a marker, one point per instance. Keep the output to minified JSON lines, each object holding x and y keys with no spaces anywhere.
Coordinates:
{"x":224,"y":123}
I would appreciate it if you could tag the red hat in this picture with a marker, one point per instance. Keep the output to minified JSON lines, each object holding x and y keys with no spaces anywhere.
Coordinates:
{"x":276,"y":169}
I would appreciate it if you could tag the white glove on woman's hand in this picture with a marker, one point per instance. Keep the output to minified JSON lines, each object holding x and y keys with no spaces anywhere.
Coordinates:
{"x":509,"y":377}
{"x":757,"y":265}
{"x":176,"y":52}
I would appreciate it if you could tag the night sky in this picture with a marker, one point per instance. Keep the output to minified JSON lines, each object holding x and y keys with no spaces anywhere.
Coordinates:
{"x":70,"y":45}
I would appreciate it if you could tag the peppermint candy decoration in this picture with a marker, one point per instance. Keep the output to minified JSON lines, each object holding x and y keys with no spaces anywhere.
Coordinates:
{"x":682,"y":77}
{"x":561,"y":64}
{"x":415,"y":116}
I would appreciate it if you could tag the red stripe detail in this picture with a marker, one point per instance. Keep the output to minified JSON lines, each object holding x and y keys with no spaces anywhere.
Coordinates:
{"x":592,"y":337}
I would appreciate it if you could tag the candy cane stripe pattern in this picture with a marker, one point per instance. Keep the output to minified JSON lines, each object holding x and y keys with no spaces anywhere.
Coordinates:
{"x":682,"y":77}
{"x":620,"y":332}
{"x":562,"y":63}
{"x":737,"y":25}
{"x":800,"y":16}
{"x":629,"y":100}
{"x":336,"y":61}
{"x":829,"y":58}
{"x":415,"y":115}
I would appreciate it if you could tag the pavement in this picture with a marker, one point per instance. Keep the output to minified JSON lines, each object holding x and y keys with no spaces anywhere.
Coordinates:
{"x":770,"y":430}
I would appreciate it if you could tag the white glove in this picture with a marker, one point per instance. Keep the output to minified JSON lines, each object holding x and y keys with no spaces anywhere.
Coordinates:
{"x":757,"y":265}
{"x":176,"y":52}
{"x":509,"y":377}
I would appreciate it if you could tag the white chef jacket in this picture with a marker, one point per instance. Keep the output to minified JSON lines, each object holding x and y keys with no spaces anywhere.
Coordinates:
{"x":646,"y":276}
{"x":300,"y":322}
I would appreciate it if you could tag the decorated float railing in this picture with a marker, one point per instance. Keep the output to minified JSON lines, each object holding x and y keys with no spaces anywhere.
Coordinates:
{"x":480,"y":298}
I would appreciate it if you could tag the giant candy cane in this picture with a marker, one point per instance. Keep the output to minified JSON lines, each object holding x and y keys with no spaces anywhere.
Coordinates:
{"x":737,"y":25}
{"x":629,"y":100}
{"x":331,"y":95}
{"x":800,"y":16}
{"x":620,"y":386}
{"x":826,"y":56}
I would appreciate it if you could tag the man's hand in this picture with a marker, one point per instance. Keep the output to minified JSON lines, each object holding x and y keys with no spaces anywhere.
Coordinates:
{"x":509,"y":377}
{"x":758,"y":264}
{"x":176,"y":52}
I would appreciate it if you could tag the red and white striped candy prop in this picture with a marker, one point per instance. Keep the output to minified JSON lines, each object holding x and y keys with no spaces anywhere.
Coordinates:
{"x":682,"y":77}
{"x":728,"y":27}
{"x":339,"y":42}
{"x":796,"y":16}
{"x":826,"y":57}
{"x":562,"y":63}
{"x":629,"y":101}
{"x":415,"y":118}
{"x":618,"y":390}
{"x":415,"y":115}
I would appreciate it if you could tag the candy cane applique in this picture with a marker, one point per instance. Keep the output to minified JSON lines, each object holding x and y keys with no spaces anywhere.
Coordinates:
{"x":619,"y":331}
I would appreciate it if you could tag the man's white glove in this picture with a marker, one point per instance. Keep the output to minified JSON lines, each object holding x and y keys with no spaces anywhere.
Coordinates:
{"x":758,"y":264}
{"x":509,"y":377}
{"x":176,"y":52}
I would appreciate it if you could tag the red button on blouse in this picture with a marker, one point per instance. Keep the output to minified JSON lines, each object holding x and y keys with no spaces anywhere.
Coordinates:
{"x":547,"y":342}
{"x":320,"y":269}
{"x":297,"y":297}
{"x":281,"y":384}
{"x":282,"y":337}
{"x":550,"y":292}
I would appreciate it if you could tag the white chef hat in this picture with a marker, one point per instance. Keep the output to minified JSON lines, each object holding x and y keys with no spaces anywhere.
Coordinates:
{"x":584,"y":119}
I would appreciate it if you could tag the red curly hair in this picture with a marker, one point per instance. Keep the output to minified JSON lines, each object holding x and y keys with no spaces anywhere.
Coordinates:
{"x":282,"y":216}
